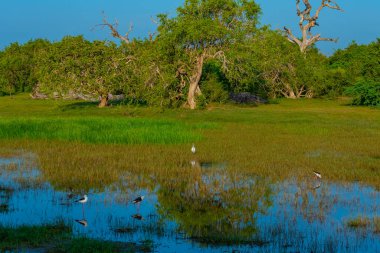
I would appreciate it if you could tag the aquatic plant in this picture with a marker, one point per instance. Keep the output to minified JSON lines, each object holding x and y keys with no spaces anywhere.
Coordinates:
{"x":358,"y":222}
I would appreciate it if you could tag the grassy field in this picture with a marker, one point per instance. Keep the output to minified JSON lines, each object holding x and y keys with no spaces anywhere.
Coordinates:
{"x":96,"y":146}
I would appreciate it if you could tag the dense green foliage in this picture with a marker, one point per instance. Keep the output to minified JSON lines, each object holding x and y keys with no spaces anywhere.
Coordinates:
{"x":19,"y":66}
{"x":271,"y":66}
{"x":209,"y":50}
{"x":354,"y":64}
{"x":365,"y":93}
{"x":89,"y":68}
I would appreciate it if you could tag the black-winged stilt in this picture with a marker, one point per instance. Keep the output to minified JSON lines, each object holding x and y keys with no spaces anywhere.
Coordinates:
{"x":317,"y":174}
{"x":138,"y":200}
{"x":193,"y":150}
{"x":83,"y":199}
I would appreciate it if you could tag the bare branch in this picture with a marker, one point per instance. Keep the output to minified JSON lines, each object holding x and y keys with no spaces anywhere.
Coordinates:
{"x":113,"y":27}
{"x":291,"y":36}
{"x":307,"y":22}
{"x":154,"y":21}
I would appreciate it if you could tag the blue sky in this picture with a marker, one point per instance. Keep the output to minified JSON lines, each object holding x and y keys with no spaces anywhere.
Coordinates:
{"x":23,"y":20}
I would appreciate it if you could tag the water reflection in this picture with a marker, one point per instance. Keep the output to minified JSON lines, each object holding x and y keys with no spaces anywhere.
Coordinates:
{"x":82,"y":222}
{"x":215,"y":206}
{"x":205,"y":208}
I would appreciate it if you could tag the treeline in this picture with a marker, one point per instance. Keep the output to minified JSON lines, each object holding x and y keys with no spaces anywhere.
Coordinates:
{"x":209,"y":51}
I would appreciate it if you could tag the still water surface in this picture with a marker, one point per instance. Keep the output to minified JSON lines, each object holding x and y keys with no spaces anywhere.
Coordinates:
{"x":249,"y":215}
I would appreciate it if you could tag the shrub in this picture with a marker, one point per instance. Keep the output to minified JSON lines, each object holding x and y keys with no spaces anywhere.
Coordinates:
{"x":365,"y":93}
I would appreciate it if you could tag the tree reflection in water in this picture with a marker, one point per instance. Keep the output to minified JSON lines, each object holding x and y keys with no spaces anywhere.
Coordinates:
{"x":215,"y":206}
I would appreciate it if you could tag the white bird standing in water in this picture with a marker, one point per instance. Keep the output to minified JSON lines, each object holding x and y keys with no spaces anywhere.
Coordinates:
{"x":193,"y":150}
{"x":83,"y":199}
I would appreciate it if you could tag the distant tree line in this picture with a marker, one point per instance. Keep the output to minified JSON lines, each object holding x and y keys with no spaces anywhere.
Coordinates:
{"x":210,"y":50}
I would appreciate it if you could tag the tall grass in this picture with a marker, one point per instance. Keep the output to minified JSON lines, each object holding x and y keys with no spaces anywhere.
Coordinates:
{"x":99,"y":130}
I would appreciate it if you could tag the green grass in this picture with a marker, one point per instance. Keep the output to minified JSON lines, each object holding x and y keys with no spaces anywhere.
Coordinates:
{"x":99,"y":130}
{"x":80,"y":144}
{"x":85,"y":245}
{"x":32,"y":236}
{"x":57,"y":237}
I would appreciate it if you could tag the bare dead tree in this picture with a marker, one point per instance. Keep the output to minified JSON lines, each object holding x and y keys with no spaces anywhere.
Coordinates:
{"x":307,"y":22}
{"x":114,"y":32}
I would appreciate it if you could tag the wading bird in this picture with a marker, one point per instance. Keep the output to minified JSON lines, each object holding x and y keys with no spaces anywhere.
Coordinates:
{"x":138,"y":200}
{"x":317,"y":174}
{"x":193,"y":150}
{"x":83,"y":199}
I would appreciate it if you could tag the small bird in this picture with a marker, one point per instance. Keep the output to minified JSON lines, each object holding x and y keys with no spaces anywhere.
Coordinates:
{"x":193,"y":150}
{"x":82,"y":222}
{"x":83,"y":199}
{"x":138,"y":199}
{"x":317,"y":174}
{"x":137,"y":217}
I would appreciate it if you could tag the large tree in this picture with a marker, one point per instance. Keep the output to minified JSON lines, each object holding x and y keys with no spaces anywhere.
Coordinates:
{"x":200,"y":31}
{"x":308,"y":22}
{"x":85,"y":68}
{"x":269,"y":65}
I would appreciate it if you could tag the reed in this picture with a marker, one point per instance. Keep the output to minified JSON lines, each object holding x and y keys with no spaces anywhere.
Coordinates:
{"x":376,"y":223}
{"x":358,"y":222}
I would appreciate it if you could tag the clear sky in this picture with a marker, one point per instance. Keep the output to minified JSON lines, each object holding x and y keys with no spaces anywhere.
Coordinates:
{"x":22,"y":20}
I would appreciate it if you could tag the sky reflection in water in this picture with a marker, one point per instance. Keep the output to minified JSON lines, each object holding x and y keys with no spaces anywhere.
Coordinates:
{"x":298,"y":216}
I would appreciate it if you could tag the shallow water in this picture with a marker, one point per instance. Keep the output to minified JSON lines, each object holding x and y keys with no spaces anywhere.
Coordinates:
{"x":216,"y":211}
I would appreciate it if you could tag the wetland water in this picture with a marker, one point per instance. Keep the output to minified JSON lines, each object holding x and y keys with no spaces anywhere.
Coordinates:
{"x":207,"y":210}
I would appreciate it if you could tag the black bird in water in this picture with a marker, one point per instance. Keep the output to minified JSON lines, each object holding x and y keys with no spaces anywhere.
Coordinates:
{"x":138,"y":199}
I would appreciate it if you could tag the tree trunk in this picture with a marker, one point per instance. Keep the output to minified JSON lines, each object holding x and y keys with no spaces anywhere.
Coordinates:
{"x":103,"y":101}
{"x":288,"y":92}
{"x":194,"y":83}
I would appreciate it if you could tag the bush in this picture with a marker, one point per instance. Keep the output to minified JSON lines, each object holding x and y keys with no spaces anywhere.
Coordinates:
{"x":365,"y":93}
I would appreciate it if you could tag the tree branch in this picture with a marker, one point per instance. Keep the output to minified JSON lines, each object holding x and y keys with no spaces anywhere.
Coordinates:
{"x":114,"y":32}
{"x":307,"y":22}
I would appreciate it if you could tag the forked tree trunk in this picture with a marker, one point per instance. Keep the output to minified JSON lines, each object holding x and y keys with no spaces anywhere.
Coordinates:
{"x":194,"y":88}
{"x":103,"y":101}
{"x":292,"y":93}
